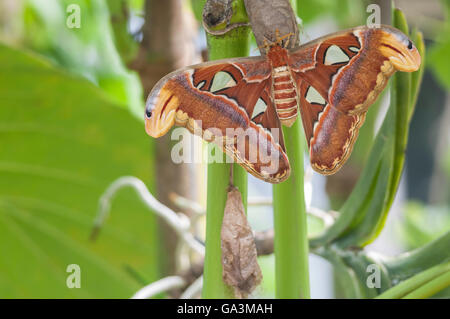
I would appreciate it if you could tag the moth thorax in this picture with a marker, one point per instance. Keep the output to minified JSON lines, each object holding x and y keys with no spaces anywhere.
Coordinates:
{"x":277,"y":56}
{"x":285,"y":95}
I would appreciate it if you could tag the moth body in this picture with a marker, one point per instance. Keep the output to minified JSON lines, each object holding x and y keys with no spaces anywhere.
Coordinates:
{"x":284,"y":91}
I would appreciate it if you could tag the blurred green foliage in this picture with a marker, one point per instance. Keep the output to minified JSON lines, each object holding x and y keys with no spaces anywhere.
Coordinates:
{"x":197,"y":8}
{"x":89,"y":51}
{"x":421,"y":224}
{"x":346,"y":12}
{"x":440,"y":51}
{"x":63,"y":140}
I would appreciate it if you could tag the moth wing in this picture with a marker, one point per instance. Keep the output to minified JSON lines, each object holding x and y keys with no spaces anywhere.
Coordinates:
{"x":338,"y":77}
{"x":227,"y":102}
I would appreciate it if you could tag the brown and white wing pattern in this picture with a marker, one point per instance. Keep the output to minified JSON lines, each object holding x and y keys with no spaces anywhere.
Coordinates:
{"x":227,"y":102}
{"x":338,"y":77}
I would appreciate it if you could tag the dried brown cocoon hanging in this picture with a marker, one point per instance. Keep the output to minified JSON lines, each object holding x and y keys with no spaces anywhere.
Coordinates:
{"x":239,"y":258}
{"x":217,"y":15}
{"x":270,"y":16}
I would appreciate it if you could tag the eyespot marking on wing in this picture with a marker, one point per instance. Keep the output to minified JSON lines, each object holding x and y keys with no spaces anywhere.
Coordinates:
{"x":335,"y":55}
{"x":314,"y":97}
{"x":222,"y":80}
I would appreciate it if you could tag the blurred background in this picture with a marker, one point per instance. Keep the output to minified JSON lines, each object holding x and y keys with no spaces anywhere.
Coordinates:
{"x":72,"y":93}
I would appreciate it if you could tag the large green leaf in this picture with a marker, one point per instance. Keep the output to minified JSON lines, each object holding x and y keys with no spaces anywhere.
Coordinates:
{"x":62,"y":141}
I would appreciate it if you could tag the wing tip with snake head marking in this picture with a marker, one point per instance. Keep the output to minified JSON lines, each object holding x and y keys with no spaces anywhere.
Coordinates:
{"x":160,"y":109}
{"x":216,"y":97}
{"x":399,"y":49}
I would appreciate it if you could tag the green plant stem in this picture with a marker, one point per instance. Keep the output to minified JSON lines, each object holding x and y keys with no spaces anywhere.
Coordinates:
{"x":218,"y":182}
{"x":420,"y":259}
{"x":290,"y":242}
{"x":233,"y":44}
{"x":402,"y":85}
{"x":422,"y":285}
{"x":291,"y":247}
{"x":347,"y":283}
{"x":416,"y":77}
{"x":430,"y":288}
{"x":240,"y":178}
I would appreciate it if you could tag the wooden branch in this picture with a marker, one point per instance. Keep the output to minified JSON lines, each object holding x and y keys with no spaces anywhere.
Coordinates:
{"x":168,"y":41}
{"x":168,"y":44}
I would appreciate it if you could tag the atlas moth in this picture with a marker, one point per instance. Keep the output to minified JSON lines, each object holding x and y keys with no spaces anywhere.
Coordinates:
{"x":331,"y":80}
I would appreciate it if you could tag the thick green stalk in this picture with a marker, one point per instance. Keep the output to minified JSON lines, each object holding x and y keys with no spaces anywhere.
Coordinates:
{"x":347,"y":284}
{"x":218,"y":181}
{"x":402,"y":85}
{"x":418,"y":285}
{"x":240,"y":178}
{"x":420,"y":259}
{"x":416,"y":77}
{"x":291,"y":242}
{"x":291,"y":246}
{"x":430,"y":288}
{"x":234,"y":43}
